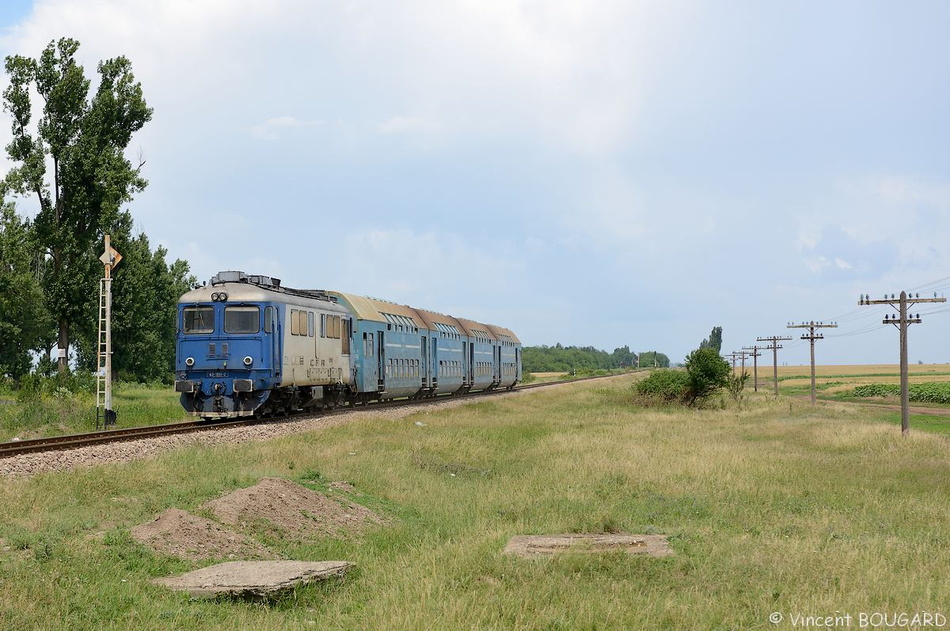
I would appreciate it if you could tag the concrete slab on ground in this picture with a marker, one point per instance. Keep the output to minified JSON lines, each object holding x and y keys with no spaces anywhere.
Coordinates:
{"x":254,"y":579}
{"x":533,"y":545}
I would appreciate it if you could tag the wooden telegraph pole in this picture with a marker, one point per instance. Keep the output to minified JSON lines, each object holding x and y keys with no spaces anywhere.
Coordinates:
{"x":774,"y":346}
{"x":754,"y":354}
{"x":902,"y":321}
{"x":110,"y":258}
{"x":811,"y":336}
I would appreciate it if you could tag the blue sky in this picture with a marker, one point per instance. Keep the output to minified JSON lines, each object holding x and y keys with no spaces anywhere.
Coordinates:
{"x":590,"y":172}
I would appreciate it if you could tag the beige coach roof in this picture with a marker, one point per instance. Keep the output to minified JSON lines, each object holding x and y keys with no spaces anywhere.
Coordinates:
{"x":372,"y":309}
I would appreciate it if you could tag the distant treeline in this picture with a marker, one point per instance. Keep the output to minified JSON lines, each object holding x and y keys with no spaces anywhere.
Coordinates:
{"x":559,"y":358}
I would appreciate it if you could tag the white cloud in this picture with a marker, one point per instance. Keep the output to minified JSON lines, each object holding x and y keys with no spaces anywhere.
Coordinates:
{"x":906,"y":190}
{"x":408,"y":125}
{"x":273,"y":128}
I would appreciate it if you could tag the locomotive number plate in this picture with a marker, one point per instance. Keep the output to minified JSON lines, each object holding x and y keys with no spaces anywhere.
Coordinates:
{"x":214,"y":375}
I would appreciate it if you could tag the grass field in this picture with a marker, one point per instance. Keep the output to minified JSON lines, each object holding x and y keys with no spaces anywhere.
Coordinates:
{"x":65,"y":412}
{"x":773,"y":509}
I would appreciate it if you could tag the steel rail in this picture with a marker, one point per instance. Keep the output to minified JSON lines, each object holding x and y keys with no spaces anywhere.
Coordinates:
{"x":73,"y":441}
{"x":70,"y":441}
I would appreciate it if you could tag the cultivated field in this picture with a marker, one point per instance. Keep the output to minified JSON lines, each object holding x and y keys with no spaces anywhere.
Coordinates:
{"x":840,"y":378}
{"x":774,"y":510}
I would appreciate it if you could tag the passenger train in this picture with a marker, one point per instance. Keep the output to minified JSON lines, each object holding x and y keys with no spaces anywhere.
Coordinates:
{"x":248,"y":346}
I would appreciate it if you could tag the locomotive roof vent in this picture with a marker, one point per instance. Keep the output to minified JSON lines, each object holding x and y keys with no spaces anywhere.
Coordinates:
{"x":230,"y":276}
{"x":264,"y":281}
{"x":233,"y":276}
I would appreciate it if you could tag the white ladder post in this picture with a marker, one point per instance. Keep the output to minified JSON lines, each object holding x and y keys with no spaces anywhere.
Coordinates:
{"x":110,"y":258}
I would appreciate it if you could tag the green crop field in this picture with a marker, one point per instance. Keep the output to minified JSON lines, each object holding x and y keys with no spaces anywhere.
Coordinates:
{"x":775,"y":510}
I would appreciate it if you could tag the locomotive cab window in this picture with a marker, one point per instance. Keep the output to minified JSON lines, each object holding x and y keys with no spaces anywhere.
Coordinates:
{"x":242,"y":319}
{"x":198,"y":320}
{"x":268,"y":319}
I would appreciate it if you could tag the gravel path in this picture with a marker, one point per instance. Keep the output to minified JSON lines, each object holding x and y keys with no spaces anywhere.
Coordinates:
{"x":29,"y":464}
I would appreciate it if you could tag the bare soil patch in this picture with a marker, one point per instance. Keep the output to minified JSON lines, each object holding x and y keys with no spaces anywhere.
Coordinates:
{"x":273,"y":506}
{"x":181,"y":534}
{"x":297,"y":511}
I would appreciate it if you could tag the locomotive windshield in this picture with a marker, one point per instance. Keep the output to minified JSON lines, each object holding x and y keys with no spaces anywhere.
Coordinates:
{"x":242,"y":320}
{"x":198,"y":320}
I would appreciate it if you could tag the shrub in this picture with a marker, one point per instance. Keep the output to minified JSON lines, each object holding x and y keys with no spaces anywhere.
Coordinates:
{"x":667,"y":386}
{"x":708,"y":372}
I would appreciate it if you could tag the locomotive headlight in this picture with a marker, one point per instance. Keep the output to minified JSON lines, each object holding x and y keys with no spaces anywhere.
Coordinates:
{"x":223,"y":296}
{"x":248,"y":361}
{"x":215,"y":296}
{"x":190,"y":362}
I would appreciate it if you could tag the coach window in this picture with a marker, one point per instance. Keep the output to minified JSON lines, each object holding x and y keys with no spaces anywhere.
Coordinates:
{"x":294,"y":322}
{"x":242,"y":319}
{"x":368,"y":344}
{"x":198,"y":320}
{"x":310,"y":323}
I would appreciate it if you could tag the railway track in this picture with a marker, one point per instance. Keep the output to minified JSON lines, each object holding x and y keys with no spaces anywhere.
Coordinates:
{"x":72,"y":441}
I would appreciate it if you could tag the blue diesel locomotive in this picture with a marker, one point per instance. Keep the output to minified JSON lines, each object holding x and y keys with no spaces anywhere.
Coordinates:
{"x":248,"y":346}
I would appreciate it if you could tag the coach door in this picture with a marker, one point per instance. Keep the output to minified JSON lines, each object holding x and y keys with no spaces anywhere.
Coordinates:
{"x":471,"y":363}
{"x":424,"y":363}
{"x":497,"y":354}
{"x":434,"y":362}
{"x":381,"y":363}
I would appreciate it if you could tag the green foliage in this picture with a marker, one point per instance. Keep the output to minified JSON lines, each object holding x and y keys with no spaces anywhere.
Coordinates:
{"x":930,"y":392}
{"x":708,"y":372}
{"x":84,"y":140}
{"x":145,"y":292}
{"x":878,"y":390}
{"x":66,"y":404}
{"x":735,"y":384}
{"x":714,"y":341}
{"x":665,"y":386}
{"x":586,"y":359}
{"x":25,"y":324}
{"x":653,"y":359}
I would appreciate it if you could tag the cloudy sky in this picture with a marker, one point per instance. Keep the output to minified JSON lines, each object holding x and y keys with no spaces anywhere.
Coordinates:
{"x":585,"y":172}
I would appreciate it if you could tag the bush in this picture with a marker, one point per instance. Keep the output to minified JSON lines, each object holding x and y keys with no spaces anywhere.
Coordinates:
{"x":666,"y":386}
{"x":708,"y":372}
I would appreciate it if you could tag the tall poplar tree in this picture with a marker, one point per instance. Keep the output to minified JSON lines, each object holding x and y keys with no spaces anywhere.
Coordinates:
{"x":74,"y":162}
{"x":25,"y":325}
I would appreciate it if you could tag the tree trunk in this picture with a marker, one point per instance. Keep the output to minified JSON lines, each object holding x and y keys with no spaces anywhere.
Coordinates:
{"x":62,"y":361}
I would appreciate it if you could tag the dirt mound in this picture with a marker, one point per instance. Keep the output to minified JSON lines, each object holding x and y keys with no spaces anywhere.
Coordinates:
{"x":181,"y":534}
{"x":295,"y":510}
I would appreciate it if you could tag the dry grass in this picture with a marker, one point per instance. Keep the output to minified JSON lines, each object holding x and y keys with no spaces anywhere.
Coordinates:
{"x":775,"y":506}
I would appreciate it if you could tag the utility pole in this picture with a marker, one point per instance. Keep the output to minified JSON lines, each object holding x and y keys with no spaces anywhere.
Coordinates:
{"x":755,"y":354}
{"x":110,"y":258}
{"x":774,"y":346}
{"x":740,"y":355}
{"x":902,"y":321}
{"x":811,"y":336}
